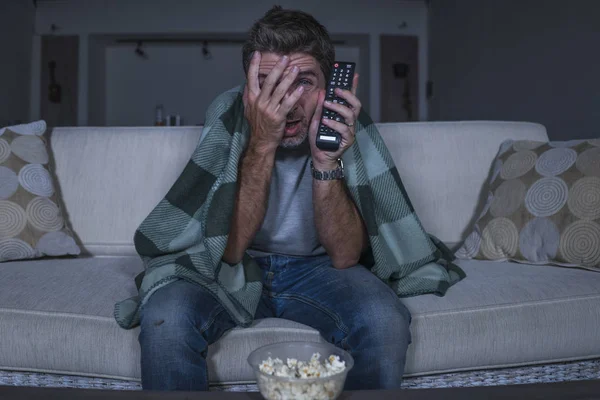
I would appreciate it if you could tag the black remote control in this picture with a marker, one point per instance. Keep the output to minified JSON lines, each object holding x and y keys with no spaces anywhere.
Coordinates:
{"x":342,"y":76}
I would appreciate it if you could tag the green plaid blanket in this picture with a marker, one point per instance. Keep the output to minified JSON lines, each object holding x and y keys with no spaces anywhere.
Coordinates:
{"x":185,"y":236}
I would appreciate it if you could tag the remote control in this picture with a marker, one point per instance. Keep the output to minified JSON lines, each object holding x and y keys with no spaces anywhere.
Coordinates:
{"x":341,"y":77}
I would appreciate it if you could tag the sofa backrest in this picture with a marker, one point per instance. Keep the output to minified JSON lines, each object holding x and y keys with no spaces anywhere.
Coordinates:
{"x":111,"y":178}
{"x":444,"y":166}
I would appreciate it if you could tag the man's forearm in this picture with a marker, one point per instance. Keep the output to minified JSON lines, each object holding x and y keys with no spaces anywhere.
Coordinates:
{"x":339,"y":225}
{"x":255,"y":172}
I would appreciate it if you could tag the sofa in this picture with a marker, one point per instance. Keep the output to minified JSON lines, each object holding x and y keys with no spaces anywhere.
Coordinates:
{"x":56,"y":313}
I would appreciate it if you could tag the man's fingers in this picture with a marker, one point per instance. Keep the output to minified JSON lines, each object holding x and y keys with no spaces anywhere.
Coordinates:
{"x":283,"y":87}
{"x":291,"y":99}
{"x":341,"y":128}
{"x":344,"y":111}
{"x":245,"y":96}
{"x":351,"y":99}
{"x":316,"y":120}
{"x":355,"y":84}
{"x":253,"y":73}
{"x":271,"y":80}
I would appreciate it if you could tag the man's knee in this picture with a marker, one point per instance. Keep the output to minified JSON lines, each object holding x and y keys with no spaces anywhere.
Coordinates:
{"x":172,"y":315}
{"x":385,"y":322}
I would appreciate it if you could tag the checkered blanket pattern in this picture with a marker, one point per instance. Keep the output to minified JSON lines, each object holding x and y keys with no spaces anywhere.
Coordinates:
{"x":185,"y":235}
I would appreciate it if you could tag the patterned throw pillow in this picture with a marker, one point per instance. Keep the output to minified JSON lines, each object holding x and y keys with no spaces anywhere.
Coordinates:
{"x":543,"y":206}
{"x":31,"y":222}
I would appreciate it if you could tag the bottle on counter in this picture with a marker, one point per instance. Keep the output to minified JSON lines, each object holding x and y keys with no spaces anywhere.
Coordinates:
{"x":159,"y":113}
{"x":173,"y":120}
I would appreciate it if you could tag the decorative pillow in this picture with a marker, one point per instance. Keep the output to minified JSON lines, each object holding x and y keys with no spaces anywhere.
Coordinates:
{"x":543,"y":206}
{"x":31,"y":222}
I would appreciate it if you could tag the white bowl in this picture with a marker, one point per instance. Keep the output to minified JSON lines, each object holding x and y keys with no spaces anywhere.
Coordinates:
{"x":274,"y":387}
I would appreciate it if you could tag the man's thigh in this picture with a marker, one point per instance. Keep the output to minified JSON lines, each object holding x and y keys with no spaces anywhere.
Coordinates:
{"x":180,"y":309}
{"x":342,"y":303}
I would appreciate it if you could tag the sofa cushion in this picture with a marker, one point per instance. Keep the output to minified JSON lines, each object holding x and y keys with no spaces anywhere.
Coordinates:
{"x":32,"y":223}
{"x":506,"y":314}
{"x":543,"y":206}
{"x":57,"y":317}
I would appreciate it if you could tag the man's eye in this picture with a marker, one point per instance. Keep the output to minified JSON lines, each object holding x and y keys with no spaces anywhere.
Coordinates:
{"x":305,"y":82}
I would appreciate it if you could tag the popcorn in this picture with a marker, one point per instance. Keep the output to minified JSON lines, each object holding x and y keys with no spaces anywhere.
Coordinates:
{"x":273,"y":389}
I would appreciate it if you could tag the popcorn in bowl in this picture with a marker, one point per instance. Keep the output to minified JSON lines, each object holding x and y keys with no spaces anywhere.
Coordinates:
{"x":300,"y":377}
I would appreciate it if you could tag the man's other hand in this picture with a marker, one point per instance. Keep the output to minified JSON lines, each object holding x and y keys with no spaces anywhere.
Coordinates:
{"x":346,"y":128}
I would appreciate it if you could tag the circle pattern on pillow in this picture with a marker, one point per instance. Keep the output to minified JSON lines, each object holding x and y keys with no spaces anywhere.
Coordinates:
{"x":37,"y":128}
{"x":539,"y":240}
{"x":500,"y":239}
{"x":555,"y":161}
{"x":546,"y":197}
{"x":12,"y":219}
{"x":580,"y":243}
{"x":15,"y":249}
{"x":508,"y":198}
{"x":9,"y":182}
{"x":32,"y":224}
{"x":584,"y":198}
{"x":44,"y":215}
{"x":518,"y":164}
{"x":471,"y":246}
{"x":588,"y":162}
{"x":36,"y":180}
{"x":30,"y":149}
{"x":4,"y":150}
{"x":557,"y":219}
{"x":57,"y":243}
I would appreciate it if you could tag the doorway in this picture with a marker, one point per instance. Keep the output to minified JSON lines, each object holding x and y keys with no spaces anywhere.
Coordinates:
{"x":399,"y":78}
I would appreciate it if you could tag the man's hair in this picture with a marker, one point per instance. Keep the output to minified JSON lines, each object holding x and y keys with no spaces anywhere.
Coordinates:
{"x":290,"y":31}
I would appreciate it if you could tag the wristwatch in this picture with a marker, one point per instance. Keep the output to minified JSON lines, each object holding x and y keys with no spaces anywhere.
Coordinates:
{"x":337,"y":173}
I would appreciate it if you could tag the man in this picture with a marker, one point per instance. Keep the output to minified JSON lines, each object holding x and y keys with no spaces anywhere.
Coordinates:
{"x":306,"y":234}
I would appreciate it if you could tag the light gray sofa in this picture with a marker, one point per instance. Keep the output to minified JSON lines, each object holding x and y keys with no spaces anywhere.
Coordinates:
{"x":56,"y":314}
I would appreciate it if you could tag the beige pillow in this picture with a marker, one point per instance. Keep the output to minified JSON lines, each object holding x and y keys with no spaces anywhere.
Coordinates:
{"x":543,"y":206}
{"x":32,"y":224}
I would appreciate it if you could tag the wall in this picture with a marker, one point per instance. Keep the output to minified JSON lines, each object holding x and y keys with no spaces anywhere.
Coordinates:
{"x":517,"y":60}
{"x":176,"y":76}
{"x":89,"y":17}
{"x":17,"y":19}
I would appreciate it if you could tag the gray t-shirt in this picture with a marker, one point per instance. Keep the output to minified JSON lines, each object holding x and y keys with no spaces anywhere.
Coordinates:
{"x":288,"y":227}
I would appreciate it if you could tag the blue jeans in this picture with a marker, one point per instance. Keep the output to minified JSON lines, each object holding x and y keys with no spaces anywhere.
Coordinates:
{"x":351,"y":308}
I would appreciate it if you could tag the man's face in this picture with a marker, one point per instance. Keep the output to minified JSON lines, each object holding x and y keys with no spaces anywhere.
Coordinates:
{"x":311,"y":77}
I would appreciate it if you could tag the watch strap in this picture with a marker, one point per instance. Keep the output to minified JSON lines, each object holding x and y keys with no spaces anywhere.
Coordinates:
{"x":334,"y":174}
